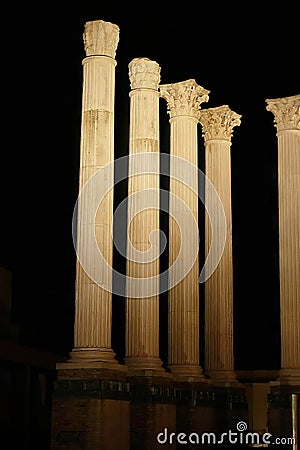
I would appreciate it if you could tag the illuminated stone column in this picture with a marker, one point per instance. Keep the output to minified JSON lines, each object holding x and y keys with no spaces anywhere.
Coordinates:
{"x":184,"y":100}
{"x":217,"y":125}
{"x":287,"y":121}
{"x":142,"y":309}
{"x":93,"y":307}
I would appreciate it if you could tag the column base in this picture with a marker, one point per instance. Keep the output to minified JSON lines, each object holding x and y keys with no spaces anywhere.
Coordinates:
{"x":289,"y":376}
{"x":91,"y":363}
{"x":82,"y":356}
{"x":72,"y":366}
{"x":144,"y":366}
{"x":187,"y":373}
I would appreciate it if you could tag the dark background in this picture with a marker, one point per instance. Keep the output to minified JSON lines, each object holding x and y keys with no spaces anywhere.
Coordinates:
{"x":242,"y":55}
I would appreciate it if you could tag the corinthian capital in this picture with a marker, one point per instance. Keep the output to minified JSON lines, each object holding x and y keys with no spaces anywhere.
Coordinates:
{"x":218,"y":123}
{"x":101,"y":38}
{"x":286,"y":111}
{"x":144,"y":73}
{"x":184,"y":98}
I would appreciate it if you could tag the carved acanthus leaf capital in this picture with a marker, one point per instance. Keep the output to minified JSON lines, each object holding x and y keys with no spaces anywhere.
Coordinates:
{"x":101,"y":38}
{"x":286,"y":112}
{"x":218,"y":123}
{"x":184,"y":98}
{"x":144,"y":73}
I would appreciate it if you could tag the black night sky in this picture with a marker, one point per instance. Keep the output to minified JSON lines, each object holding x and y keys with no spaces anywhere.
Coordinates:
{"x":242,"y":56}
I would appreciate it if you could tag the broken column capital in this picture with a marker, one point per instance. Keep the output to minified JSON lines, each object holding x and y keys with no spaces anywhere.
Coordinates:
{"x":101,"y":38}
{"x":144,"y":74}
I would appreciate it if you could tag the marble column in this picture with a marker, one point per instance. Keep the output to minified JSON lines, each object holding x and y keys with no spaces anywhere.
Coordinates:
{"x":93,"y":306}
{"x":286,"y":113}
{"x":142,"y":309}
{"x":217,"y":126}
{"x":183,"y":102}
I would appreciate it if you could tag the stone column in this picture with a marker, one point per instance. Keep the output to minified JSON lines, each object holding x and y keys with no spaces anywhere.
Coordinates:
{"x":142,"y":309}
{"x":93,"y":307}
{"x":287,"y":122}
{"x":184,"y":100}
{"x":217,"y":125}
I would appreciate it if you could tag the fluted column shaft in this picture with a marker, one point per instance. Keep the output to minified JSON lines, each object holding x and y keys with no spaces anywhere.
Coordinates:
{"x":217,"y":124}
{"x":93,"y":307}
{"x":142,"y":310}
{"x":287,"y":121}
{"x":184,"y":101}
